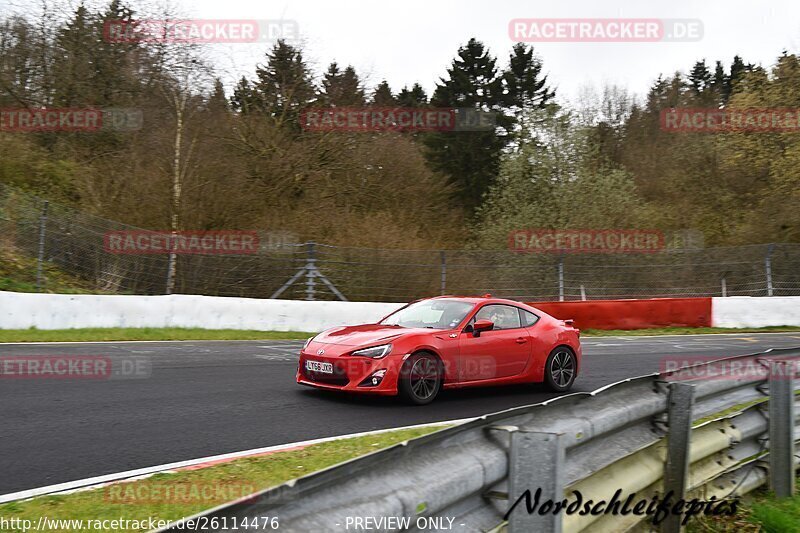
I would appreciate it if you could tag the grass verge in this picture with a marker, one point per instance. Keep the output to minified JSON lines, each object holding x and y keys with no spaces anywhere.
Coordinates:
{"x":759,"y":512}
{"x":144,"y":334}
{"x":176,"y":495}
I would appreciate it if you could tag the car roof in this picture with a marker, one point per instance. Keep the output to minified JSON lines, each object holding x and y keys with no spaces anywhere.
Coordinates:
{"x":489,"y":299}
{"x":478,"y":299}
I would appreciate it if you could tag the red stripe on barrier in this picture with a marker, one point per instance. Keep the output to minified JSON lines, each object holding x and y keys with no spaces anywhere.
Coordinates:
{"x":632,"y":314}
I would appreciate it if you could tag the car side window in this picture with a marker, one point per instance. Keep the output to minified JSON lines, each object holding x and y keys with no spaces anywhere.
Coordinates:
{"x":503,"y":316}
{"x":528,"y":318}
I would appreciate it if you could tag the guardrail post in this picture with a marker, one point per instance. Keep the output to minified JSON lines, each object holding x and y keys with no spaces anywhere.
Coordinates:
{"x":311,"y":269}
{"x":768,"y":269}
{"x":443,"y":261}
{"x":561,"y":278}
{"x":40,"y":254}
{"x":536,"y":462}
{"x":676,"y":470}
{"x":781,"y":428}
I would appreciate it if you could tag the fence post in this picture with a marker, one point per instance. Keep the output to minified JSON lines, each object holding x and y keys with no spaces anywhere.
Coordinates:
{"x":781,"y":428}
{"x":561,"y":278}
{"x":676,"y":470}
{"x":724,"y":287}
{"x":768,"y":268}
{"x":311,"y":269}
{"x":443,"y":261}
{"x":536,"y":462}
{"x":40,"y":254}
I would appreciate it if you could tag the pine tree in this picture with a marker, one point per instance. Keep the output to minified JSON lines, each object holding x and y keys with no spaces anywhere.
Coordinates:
{"x":699,"y":78}
{"x":470,"y":159}
{"x":341,"y":88}
{"x":73,"y":73}
{"x":720,"y":83}
{"x":656,"y":95}
{"x":243,"y":97}
{"x":284,"y":85}
{"x":382,"y":95}
{"x":524,"y":84}
{"x":738,"y":69}
{"x":414,"y":97}
{"x":525,"y":87}
{"x":117,"y":64}
{"x":217,"y":100}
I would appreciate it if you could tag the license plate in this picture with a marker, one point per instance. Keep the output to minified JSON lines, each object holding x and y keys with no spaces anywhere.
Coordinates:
{"x":316,"y":366}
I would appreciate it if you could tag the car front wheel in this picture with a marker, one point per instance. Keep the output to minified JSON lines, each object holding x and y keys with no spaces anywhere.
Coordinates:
{"x":420,"y":379}
{"x":561,"y":369}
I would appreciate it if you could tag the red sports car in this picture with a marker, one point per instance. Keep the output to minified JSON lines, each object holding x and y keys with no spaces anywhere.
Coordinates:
{"x":442,"y":343}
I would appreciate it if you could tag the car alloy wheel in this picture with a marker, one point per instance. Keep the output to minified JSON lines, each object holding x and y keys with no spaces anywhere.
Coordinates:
{"x":421,"y":379}
{"x":561,"y":369}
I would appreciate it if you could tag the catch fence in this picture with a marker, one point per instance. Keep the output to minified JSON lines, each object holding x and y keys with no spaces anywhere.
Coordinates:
{"x":73,"y":242}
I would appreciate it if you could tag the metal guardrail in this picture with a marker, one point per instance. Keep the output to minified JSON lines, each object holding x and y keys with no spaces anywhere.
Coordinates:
{"x":709,"y":439}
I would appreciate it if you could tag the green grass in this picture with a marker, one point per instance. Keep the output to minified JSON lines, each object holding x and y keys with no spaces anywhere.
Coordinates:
{"x":137,"y":501}
{"x":758,"y":512}
{"x":730,"y":410}
{"x":144,"y":334}
{"x":682,"y":331}
{"x":777,"y":515}
{"x":18,"y":274}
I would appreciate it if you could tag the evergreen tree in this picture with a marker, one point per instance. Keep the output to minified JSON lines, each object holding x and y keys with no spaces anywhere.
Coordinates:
{"x":73,"y":73}
{"x":720,"y":83}
{"x":382,"y":95}
{"x":470,"y":159}
{"x":656,"y":95}
{"x":217,"y":100}
{"x":341,"y":88}
{"x":243,"y":98}
{"x":700,"y":78}
{"x":738,"y":68}
{"x":525,"y":87}
{"x":121,"y":67}
{"x":284,"y":85}
{"x":414,"y":97}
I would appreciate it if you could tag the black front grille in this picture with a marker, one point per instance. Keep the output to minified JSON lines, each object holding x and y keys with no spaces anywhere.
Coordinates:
{"x":339,"y":377}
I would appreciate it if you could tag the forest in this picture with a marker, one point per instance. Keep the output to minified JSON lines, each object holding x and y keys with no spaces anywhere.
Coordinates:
{"x":215,"y":155}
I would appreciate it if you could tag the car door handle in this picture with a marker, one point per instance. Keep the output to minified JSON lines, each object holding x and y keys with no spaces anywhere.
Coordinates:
{"x":521,"y":340}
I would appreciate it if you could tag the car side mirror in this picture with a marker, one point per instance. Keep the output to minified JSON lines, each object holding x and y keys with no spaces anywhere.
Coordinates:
{"x":481,"y":325}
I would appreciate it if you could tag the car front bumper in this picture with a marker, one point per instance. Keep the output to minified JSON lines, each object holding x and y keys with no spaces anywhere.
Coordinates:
{"x":352,"y":374}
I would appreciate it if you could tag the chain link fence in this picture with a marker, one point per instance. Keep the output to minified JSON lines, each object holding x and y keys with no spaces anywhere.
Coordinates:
{"x":73,"y":242}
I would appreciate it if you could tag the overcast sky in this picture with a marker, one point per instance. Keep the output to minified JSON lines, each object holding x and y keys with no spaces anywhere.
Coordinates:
{"x":414,"y":40}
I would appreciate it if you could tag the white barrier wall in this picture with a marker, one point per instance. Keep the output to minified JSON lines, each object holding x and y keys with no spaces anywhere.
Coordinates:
{"x":65,"y":311}
{"x":755,"y":312}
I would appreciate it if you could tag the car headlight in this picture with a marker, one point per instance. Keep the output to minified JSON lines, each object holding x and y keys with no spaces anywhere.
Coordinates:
{"x":308,"y":341}
{"x":376,"y":352}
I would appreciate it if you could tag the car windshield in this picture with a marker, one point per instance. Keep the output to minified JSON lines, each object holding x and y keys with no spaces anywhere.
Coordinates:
{"x":435,"y":314}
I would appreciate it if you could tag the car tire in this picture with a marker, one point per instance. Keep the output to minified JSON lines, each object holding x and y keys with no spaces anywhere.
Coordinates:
{"x":420,"y":379}
{"x":561,"y":369}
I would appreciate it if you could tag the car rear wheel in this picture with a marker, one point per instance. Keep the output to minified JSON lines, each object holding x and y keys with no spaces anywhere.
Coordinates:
{"x":561,"y":369}
{"x":420,"y":379}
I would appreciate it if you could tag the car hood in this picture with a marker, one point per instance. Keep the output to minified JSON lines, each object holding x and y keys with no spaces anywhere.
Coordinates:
{"x":367,"y":334}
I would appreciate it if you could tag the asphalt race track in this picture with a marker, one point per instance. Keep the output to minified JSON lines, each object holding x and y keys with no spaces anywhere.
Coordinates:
{"x":207,"y":398}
